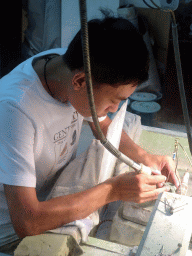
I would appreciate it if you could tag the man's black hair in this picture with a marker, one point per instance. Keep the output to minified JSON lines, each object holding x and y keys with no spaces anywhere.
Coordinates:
{"x":118,"y":53}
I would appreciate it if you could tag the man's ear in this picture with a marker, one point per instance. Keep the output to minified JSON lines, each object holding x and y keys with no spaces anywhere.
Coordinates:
{"x":78,"y":81}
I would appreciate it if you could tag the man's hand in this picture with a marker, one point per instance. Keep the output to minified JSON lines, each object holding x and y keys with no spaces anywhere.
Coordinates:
{"x":166,"y":166}
{"x":137,"y":188}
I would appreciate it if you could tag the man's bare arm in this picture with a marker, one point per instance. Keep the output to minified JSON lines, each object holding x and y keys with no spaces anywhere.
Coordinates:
{"x":31,"y":217}
{"x":127,"y":146}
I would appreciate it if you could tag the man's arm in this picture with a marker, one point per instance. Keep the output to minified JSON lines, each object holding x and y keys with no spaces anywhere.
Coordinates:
{"x":127,"y":146}
{"x":32,"y":217}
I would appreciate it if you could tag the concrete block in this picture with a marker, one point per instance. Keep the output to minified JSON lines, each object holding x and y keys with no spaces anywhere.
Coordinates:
{"x":48,"y":244}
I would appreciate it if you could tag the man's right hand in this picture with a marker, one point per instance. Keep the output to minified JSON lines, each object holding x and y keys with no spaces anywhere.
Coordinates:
{"x":137,"y":188}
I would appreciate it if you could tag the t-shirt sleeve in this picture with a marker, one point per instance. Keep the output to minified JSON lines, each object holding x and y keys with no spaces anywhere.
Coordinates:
{"x":17,"y":165}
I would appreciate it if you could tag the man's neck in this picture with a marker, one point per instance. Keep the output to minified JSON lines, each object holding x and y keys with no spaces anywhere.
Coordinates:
{"x":54,"y":77}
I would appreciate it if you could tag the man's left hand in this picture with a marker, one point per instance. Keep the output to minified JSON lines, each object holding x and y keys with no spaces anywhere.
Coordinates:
{"x":166,"y":166}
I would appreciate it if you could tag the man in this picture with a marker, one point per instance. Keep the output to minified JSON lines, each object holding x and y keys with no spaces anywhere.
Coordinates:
{"x":42,"y":105}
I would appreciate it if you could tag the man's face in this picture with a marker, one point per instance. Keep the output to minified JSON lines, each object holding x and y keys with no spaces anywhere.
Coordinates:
{"x":106,"y":97}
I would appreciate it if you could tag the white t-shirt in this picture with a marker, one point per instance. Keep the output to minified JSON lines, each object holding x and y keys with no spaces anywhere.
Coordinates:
{"x":39,"y":135}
